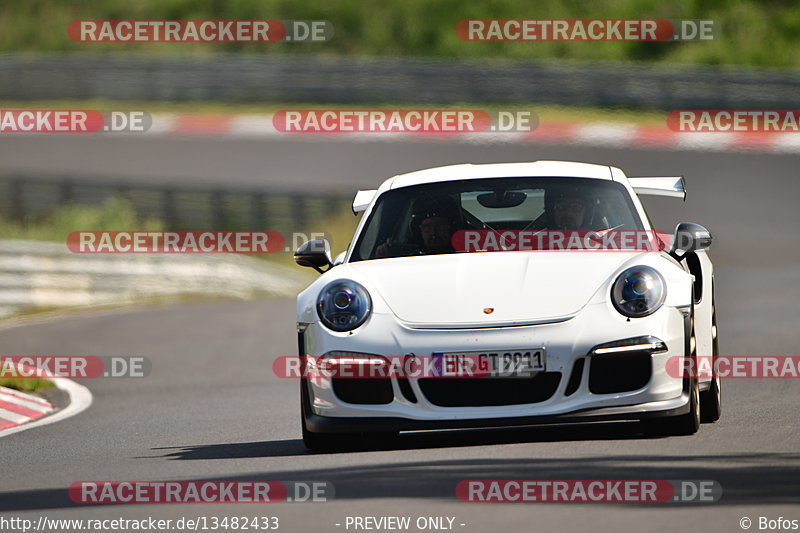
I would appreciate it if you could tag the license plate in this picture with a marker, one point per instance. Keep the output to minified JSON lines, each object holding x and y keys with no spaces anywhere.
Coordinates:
{"x":500,"y":363}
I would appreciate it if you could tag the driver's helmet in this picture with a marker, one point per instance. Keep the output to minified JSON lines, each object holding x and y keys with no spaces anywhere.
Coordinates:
{"x":437,"y":206}
{"x":570,"y":192}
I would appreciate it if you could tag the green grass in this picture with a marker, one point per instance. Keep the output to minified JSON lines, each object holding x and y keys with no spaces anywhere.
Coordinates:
{"x":753,"y":32}
{"x":115,"y":214}
{"x":26,"y":384}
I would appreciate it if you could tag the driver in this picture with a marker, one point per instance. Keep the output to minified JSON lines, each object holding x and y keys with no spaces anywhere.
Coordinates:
{"x":433,"y":222}
{"x":569,"y":209}
{"x":569,"y":212}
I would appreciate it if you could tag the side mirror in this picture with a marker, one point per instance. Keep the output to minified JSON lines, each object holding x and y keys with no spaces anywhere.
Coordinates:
{"x":315,"y":253}
{"x":689,"y":237}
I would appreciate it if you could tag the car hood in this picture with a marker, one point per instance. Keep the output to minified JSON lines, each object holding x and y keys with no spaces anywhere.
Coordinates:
{"x":486,"y":289}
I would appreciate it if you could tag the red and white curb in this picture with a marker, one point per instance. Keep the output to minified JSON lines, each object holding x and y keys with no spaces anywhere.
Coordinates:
{"x":20,"y":411}
{"x":19,"y":408}
{"x":609,"y":134}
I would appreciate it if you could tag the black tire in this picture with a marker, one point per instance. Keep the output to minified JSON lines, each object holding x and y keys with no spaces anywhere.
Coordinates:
{"x":322,"y":441}
{"x":328,"y":442}
{"x":688,"y":423}
{"x":711,"y":399}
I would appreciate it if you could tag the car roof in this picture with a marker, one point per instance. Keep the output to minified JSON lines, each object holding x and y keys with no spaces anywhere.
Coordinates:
{"x":566,"y":169}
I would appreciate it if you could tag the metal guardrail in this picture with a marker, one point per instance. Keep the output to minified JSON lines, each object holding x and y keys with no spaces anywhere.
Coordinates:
{"x":37,"y":275}
{"x":349,"y":80}
{"x":28,"y":196}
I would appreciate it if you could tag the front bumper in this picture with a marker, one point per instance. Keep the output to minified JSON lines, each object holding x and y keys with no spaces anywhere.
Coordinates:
{"x":665,"y":408}
{"x":564,"y":342}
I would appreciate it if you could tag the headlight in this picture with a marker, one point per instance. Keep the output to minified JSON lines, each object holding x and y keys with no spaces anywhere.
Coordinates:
{"x":638,"y":291}
{"x":343,"y":305}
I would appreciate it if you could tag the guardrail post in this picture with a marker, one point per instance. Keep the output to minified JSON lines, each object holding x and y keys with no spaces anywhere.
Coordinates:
{"x":168,"y":209}
{"x":299,"y":214}
{"x":17,"y":196}
{"x":257,"y":212}
{"x":217,"y":210}
{"x":66,"y":192}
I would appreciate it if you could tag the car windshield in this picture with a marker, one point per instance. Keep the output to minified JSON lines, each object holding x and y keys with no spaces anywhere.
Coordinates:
{"x":422,"y":219}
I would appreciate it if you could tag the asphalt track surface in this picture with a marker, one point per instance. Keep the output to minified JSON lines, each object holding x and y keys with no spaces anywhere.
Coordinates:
{"x":212,"y":409}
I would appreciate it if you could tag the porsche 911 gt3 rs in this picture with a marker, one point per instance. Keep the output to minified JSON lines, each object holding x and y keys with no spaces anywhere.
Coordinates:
{"x":561,"y":335}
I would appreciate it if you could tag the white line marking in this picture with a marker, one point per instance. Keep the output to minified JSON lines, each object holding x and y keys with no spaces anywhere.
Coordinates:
{"x":786,"y":142}
{"x":606,"y":134}
{"x":163,"y":124}
{"x":707,"y":141}
{"x":252,"y":126}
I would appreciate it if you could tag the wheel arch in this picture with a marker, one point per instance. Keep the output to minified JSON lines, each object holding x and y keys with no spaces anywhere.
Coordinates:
{"x":700,"y":266}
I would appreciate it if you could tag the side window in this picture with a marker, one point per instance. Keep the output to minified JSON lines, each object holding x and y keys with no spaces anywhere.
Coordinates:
{"x":370,"y":235}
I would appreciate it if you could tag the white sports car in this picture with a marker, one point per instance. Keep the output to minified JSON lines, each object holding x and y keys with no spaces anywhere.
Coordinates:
{"x":559,"y":335}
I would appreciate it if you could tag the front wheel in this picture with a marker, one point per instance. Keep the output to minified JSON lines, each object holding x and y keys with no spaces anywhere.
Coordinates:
{"x":321,"y":441}
{"x":688,"y":423}
{"x":711,"y":399}
{"x":340,"y":441}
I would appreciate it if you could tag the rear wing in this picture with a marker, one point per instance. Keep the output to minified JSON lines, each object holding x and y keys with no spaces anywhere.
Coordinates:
{"x":674,"y":187}
{"x":363,"y":199}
